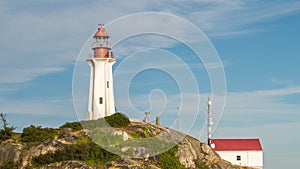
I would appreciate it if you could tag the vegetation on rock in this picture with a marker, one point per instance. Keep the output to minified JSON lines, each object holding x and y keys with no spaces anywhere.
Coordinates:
{"x":8,"y":165}
{"x":75,"y":126}
{"x":117,"y":120}
{"x":168,"y":159}
{"x":34,"y":148}
{"x":37,"y":134}
{"x":200,"y":165}
{"x":89,"y":153}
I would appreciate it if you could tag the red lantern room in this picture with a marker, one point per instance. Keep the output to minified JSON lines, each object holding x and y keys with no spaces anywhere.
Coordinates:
{"x":101,"y":45}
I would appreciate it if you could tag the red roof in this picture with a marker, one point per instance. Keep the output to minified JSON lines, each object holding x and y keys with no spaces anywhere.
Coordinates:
{"x":236,"y":144}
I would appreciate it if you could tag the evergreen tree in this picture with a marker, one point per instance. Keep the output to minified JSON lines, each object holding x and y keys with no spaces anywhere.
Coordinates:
{"x":6,"y":131}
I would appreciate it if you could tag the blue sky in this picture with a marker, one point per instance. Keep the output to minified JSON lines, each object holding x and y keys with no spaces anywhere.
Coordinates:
{"x":257,"y":42}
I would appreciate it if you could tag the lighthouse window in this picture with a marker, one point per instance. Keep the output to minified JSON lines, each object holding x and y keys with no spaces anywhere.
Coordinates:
{"x":100,"y":100}
{"x":238,"y":158}
{"x":107,"y":84}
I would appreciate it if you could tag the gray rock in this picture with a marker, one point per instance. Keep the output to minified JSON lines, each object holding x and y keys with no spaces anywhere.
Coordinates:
{"x":10,"y":151}
{"x":67,"y":165}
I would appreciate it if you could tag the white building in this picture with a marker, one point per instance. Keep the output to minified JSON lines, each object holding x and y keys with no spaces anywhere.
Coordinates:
{"x":243,"y":152}
{"x":101,"y":94}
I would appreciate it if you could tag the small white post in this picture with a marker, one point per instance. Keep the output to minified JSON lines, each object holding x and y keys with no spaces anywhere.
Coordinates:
{"x":147,"y":114}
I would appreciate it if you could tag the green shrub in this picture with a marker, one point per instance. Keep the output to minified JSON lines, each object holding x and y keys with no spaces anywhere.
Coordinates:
{"x":168,"y":159}
{"x":147,"y":133}
{"x":35,"y":134}
{"x":6,"y":133}
{"x":8,"y":165}
{"x":115,"y":120}
{"x":76,"y":126}
{"x":200,"y":165}
{"x":84,"y":140}
{"x":89,"y":153}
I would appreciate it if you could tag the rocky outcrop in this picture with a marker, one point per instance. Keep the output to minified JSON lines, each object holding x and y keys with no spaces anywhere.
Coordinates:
{"x":10,"y":151}
{"x":127,"y":163}
{"x":52,"y":145}
{"x":190,"y":150}
{"x":67,"y":165}
{"x":22,"y":153}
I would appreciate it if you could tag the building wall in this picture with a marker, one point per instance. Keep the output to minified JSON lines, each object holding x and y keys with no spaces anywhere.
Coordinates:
{"x":99,"y":109}
{"x":255,"y":159}
{"x":110,"y":109}
{"x":101,"y":94}
{"x":91,"y":91}
{"x":247,"y":158}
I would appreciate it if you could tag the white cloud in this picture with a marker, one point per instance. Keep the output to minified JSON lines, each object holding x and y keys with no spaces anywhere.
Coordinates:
{"x":279,"y":92}
{"x":45,"y":106}
{"x":242,"y":109}
{"x":257,"y":108}
{"x":227,"y":18}
{"x":48,"y":35}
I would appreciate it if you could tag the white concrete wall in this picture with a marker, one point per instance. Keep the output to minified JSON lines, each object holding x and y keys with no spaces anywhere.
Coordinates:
{"x":99,"y":90}
{"x":101,"y":73}
{"x":248,"y":158}
{"x":110,"y":89}
{"x":255,"y":159}
{"x":91,"y":90}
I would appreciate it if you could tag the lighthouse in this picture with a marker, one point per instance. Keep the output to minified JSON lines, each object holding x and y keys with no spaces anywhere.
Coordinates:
{"x":101,"y":93}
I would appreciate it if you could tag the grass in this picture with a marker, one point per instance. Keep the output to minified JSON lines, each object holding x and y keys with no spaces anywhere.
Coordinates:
{"x":133,"y":135}
{"x":147,"y":133}
{"x":83,"y":140}
{"x":16,"y":136}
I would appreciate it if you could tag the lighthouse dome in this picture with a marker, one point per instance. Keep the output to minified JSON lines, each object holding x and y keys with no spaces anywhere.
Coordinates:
{"x":101,"y":32}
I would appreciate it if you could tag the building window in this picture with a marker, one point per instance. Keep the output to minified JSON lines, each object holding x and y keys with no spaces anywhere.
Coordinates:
{"x":107,"y":84}
{"x":100,"y":100}
{"x":238,"y":158}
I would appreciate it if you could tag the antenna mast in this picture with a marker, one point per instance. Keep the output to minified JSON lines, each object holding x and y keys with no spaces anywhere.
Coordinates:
{"x":178,"y":120}
{"x":209,"y":121}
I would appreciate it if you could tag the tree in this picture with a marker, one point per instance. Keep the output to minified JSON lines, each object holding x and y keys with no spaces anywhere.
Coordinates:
{"x":6,"y":131}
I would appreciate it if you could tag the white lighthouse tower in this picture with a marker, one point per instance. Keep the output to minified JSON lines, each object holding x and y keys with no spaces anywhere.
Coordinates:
{"x":101,"y":94}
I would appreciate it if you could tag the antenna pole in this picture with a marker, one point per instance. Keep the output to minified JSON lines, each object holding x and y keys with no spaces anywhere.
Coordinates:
{"x":178,"y":120}
{"x":209,"y":121}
